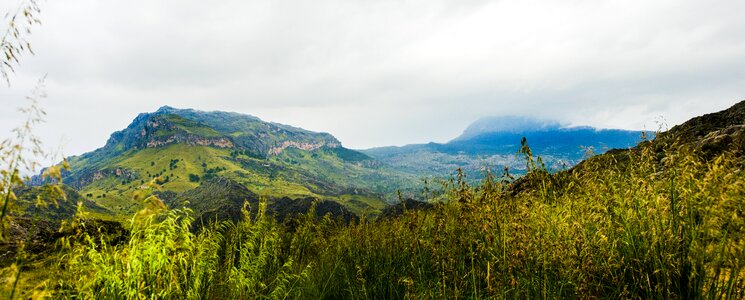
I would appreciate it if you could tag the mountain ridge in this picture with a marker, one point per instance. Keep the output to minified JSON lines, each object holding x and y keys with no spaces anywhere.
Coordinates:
{"x":179,"y":149}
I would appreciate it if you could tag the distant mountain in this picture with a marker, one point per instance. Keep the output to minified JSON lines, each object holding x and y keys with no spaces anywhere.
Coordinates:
{"x":494,"y":143}
{"x":184,"y":150}
{"x":507,"y":124}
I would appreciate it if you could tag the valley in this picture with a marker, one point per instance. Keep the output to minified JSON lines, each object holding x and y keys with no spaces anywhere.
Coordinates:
{"x":172,"y":196}
{"x":331,"y":149}
{"x":179,"y":149}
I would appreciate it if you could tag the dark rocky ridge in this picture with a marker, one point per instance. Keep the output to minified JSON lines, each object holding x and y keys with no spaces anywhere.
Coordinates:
{"x":285,"y":209}
{"x":711,"y":134}
{"x":218,"y":199}
{"x":399,"y":209}
{"x":222,"y":199}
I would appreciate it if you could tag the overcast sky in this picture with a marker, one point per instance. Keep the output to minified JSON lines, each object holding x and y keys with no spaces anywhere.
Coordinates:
{"x":376,"y":73}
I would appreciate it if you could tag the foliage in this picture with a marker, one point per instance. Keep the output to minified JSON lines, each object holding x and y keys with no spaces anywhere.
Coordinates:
{"x":20,"y":154}
{"x":652,"y":223}
{"x":662,"y":220}
{"x":193,"y":178}
{"x":163,"y":259}
{"x":661,"y":225}
{"x":175,"y":145}
{"x":14,"y":43}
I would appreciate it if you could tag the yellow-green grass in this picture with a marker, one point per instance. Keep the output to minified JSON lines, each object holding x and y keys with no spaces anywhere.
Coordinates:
{"x":650,"y":225}
{"x":270,"y":178}
{"x":362,"y":205}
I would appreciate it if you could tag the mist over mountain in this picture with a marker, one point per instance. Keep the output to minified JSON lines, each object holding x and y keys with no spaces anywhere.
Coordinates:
{"x":539,"y":185}
{"x":507,"y":124}
{"x":493,"y":143}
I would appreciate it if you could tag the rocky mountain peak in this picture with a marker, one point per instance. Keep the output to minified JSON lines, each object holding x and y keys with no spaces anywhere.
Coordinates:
{"x":169,"y":125}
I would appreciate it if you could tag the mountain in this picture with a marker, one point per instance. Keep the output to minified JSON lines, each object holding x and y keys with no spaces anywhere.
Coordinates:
{"x":507,"y":124}
{"x":213,"y":162}
{"x":184,"y":150}
{"x":494,"y":143}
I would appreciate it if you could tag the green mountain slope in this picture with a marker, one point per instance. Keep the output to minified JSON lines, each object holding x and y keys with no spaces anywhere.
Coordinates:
{"x":179,"y":149}
{"x":56,"y":207}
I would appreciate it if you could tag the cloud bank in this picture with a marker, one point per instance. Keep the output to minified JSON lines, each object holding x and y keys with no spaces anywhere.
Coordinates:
{"x":376,"y":73}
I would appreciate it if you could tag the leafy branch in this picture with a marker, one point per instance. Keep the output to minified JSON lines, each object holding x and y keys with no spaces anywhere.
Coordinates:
{"x":14,"y":42}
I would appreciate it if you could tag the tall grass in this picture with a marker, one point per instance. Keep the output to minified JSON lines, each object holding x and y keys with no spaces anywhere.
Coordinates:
{"x":645,"y":224}
{"x":162,"y":259}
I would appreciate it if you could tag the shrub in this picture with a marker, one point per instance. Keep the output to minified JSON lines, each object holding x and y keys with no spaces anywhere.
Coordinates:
{"x":193,"y":177}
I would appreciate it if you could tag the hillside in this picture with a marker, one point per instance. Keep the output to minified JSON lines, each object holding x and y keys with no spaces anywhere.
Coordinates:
{"x":661,"y":220}
{"x":180,"y":149}
{"x":494,"y":143}
{"x":704,"y":137}
{"x":713,"y":133}
{"x":709,"y":135}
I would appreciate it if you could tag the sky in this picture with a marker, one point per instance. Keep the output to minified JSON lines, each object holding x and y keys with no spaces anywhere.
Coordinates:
{"x":379,"y":73}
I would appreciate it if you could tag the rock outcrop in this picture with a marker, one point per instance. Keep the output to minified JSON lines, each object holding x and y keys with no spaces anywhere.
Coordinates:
{"x":302,"y":146}
{"x":89,"y":176}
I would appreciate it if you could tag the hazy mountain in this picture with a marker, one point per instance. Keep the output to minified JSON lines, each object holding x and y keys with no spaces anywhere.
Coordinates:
{"x":494,"y":143}
{"x":507,"y":124}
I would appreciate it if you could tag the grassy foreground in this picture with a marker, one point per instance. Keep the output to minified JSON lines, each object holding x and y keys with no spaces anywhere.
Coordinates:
{"x":644,"y":224}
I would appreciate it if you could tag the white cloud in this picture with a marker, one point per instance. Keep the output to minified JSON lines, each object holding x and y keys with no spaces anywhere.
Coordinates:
{"x":375,"y":73}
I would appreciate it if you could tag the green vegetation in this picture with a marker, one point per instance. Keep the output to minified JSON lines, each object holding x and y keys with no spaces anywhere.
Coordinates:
{"x":185,"y":125}
{"x":179,"y":149}
{"x":163,"y":259}
{"x":193,"y":177}
{"x":647,"y":223}
{"x":661,"y":220}
{"x":294,"y":173}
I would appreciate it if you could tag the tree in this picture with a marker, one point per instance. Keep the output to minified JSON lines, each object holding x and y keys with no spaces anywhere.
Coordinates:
{"x":193,"y":177}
